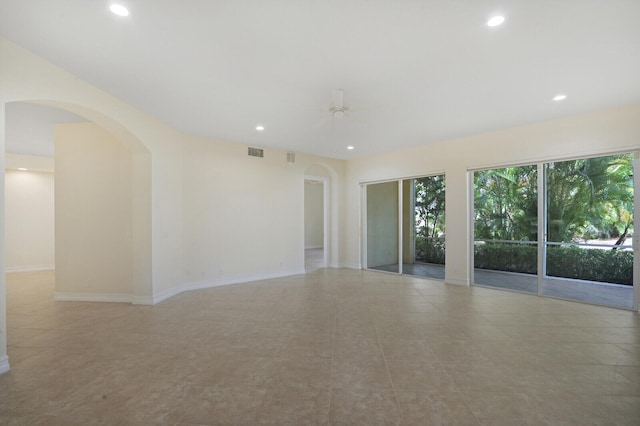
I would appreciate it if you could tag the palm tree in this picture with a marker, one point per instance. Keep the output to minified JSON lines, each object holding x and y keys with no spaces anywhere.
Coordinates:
{"x":590,"y":197}
{"x":506,"y":203}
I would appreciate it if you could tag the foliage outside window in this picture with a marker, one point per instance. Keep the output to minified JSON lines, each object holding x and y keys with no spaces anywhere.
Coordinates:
{"x":429,"y":219}
{"x":587,"y":199}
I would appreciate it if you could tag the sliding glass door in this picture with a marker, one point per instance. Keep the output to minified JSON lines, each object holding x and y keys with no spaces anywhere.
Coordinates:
{"x":423,"y":227}
{"x":589,"y":254}
{"x":506,"y":228}
{"x":383,"y":227}
{"x":405,"y":219}
{"x":582,"y":211}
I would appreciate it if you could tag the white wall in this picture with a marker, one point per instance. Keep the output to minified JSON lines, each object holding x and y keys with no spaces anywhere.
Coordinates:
{"x":602,"y":132}
{"x":94,"y":192}
{"x":4,"y":358}
{"x":313,"y":214}
{"x":29,"y":220}
{"x":243,"y":216}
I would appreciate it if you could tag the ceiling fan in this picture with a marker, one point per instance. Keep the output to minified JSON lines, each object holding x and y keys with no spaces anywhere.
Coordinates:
{"x":337,"y":108}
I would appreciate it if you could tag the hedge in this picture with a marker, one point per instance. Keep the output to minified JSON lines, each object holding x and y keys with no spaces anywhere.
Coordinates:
{"x":430,"y":250}
{"x":609,"y":266}
{"x":506,"y":257}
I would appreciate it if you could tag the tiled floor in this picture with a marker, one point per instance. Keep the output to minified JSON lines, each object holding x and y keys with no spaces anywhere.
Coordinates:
{"x":339,"y":347}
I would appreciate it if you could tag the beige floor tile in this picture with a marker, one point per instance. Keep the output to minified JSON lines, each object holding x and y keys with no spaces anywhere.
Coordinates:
{"x":589,"y":380}
{"x":366,"y":349}
{"x":363,"y":407}
{"x":507,"y":409}
{"x":158,"y":403}
{"x":477,"y":376}
{"x":457,"y":351}
{"x":563,"y":409}
{"x":356,"y":331}
{"x":18,"y":355}
{"x":608,"y":353}
{"x":628,"y":335}
{"x":549,"y":334}
{"x":100,"y":400}
{"x":291,"y":372}
{"x":416,"y":375}
{"x":443,"y":334}
{"x":329,"y":347}
{"x":437,"y":409}
{"x":485,"y":333}
{"x":237,"y":405}
{"x":294,"y":406}
{"x":200,"y":370}
{"x":248,"y":371}
{"x":49,"y":420}
{"x":537,"y":356}
{"x":412,"y":349}
{"x":360,"y":375}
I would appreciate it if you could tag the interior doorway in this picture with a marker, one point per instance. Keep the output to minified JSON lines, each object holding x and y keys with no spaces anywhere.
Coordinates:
{"x":315,"y":222}
{"x":29,"y":184}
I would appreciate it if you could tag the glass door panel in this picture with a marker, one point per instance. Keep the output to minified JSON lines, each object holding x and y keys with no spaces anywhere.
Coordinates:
{"x":383,"y":227}
{"x":423,"y":227}
{"x":506,"y":228}
{"x":589,"y":253}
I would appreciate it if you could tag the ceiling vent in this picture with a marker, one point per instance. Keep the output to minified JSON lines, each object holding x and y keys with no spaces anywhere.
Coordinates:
{"x":291,"y":157}
{"x":256,"y":152}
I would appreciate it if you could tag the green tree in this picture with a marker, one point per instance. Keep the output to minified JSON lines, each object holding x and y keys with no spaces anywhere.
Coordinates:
{"x":429,"y":213}
{"x":429,"y":206}
{"x":505,"y":203}
{"x":590,"y":198}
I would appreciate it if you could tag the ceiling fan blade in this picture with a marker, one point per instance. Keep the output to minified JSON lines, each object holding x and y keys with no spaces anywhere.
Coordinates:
{"x":338,"y":99}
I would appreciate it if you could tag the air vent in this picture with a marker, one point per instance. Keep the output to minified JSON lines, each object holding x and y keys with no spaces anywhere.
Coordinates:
{"x":256,"y":152}
{"x":291,"y":157}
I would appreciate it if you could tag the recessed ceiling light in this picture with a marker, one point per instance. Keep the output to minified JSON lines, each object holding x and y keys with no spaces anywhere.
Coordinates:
{"x":259,"y":127}
{"x":559,"y":98}
{"x":495,"y":21}
{"x":350,"y":148}
{"x":22,"y":168}
{"x":119,"y":9}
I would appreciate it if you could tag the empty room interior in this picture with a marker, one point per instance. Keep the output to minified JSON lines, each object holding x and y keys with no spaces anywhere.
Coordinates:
{"x":335,"y":213}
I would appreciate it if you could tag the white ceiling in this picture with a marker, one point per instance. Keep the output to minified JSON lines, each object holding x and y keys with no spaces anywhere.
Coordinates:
{"x":413,"y":71}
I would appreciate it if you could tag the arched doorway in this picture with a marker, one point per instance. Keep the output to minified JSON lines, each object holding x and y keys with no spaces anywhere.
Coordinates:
{"x":135,"y":286}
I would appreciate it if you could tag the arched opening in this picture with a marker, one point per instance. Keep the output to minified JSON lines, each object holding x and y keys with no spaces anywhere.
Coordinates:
{"x":105,"y":178}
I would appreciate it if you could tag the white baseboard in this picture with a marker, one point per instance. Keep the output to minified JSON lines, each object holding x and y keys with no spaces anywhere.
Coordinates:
{"x":148,"y":300}
{"x":91,"y":297}
{"x":31,"y":268}
{"x":141,"y":300}
{"x":4,"y":364}
{"x":199,"y":285}
{"x":350,"y":265}
{"x":312,"y":247}
{"x":456,"y":281}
